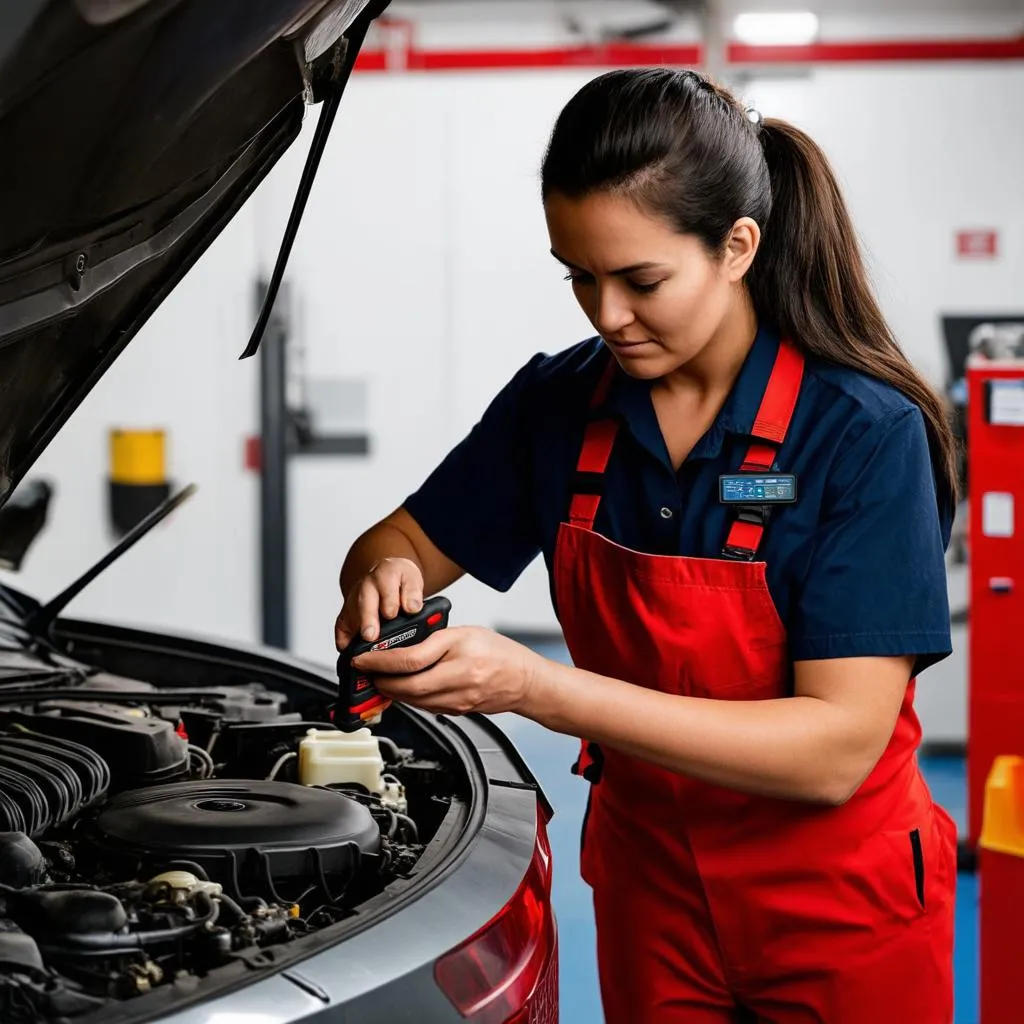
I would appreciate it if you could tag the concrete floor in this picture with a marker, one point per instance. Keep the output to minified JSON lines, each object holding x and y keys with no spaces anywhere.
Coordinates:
{"x":550,"y":756}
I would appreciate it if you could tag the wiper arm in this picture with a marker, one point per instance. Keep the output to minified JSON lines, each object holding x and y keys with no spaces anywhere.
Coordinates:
{"x":44,"y":617}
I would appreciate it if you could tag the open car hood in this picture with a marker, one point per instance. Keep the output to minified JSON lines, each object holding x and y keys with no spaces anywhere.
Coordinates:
{"x":131,"y":132}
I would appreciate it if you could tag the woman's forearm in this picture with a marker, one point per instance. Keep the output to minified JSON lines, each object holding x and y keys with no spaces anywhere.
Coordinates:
{"x":399,"y":536}
{"x":381,"y":541}
{"x":795,"y":748}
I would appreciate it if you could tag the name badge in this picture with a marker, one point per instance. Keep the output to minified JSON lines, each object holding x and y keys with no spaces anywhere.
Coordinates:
{"x":757,"y":489}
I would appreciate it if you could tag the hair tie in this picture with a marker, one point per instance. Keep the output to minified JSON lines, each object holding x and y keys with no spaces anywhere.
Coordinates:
{"x":755,"y":117}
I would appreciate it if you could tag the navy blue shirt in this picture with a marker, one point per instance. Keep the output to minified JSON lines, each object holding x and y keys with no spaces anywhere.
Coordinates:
{"x":855,"y":567}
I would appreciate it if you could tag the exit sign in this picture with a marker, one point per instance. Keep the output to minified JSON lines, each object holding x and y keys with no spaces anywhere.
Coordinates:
{"x":977,"y":244}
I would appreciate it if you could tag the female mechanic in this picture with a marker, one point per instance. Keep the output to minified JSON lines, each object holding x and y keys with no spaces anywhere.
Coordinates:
{"x":743,"y":492}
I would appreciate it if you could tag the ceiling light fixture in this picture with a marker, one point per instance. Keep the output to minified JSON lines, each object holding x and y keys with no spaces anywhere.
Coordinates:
{"x":792,"y":28}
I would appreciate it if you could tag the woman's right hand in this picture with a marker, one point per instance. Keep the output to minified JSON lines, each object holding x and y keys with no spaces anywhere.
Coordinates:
{"x":392,"y":585}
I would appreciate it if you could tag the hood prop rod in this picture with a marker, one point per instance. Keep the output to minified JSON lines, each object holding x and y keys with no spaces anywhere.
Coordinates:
{"x":336,"y":88}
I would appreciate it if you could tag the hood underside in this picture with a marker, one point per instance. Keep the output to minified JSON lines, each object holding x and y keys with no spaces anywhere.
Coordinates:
{"x":131,"y":132}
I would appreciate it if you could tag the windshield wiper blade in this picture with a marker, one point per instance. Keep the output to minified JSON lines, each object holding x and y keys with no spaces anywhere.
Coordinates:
{"x":44,"y":617}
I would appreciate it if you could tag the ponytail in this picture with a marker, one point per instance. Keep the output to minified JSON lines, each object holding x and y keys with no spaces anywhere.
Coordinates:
{"x":809,"y":281}
{"x":687,"y":149}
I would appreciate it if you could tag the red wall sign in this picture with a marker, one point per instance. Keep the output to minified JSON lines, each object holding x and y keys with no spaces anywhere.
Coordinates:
{"x":977,"y":244}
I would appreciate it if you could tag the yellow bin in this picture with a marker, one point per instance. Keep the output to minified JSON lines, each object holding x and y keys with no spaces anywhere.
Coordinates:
{"x":137,"y":457}
{"x":1001,"y":880}
{"x":138,"y":476}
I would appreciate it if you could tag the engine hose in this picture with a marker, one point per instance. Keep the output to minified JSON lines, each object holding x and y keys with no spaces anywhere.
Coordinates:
{"x":280,"y":763}
{"x":62,"y":788}
{"x":33,"y":799}
{"x":73,"y":776}
{"x":232,"y":907}
{"x":111,"y":943}
{"x":202,"y":756}
{"x":410,"y":825}
{"x":11,"y":815}
{"x":393,"y":755}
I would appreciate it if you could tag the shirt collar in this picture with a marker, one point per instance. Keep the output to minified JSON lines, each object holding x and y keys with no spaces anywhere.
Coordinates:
{"x":630,"y":399}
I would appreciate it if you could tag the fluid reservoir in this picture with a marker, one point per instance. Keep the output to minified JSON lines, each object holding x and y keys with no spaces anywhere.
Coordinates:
{"x":329,"y":757}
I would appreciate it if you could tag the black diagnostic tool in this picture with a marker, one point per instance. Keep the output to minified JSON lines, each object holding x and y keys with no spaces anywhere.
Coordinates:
{"x":358,"y":699}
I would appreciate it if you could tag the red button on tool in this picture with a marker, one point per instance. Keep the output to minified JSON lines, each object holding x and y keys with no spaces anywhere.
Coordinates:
{"x":434,"y":619}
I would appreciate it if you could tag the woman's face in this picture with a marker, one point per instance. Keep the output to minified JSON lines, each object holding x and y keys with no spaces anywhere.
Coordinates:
{"x":656,"y":296}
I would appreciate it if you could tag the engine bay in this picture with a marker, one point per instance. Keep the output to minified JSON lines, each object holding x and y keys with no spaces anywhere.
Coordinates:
{"x":151,"y":835}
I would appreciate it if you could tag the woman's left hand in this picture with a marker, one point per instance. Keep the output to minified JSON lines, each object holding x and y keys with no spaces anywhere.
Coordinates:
{"x":456,"y":671}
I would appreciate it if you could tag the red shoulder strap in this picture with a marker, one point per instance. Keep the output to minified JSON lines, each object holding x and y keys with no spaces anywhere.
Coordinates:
{"x":598,"y":441}
{"x":769,"y":431}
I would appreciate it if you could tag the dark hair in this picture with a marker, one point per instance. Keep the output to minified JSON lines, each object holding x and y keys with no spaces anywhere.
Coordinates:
{"x":687,"y":150}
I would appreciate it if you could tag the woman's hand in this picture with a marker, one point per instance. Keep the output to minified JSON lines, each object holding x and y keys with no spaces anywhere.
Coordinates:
{"x":391,"y":585}
{"x":456,"y":671}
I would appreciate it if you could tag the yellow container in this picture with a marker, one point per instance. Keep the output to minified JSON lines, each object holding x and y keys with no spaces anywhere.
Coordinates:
{"x":1002,"y":828}
{"x":137,"y":457}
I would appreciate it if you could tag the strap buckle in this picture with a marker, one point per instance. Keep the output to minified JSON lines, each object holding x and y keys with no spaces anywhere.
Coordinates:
{"x":755,"y":515}
{"x":584,"y":482}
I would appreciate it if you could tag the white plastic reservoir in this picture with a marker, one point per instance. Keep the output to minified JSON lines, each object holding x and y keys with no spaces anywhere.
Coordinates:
{"x":329,"y":757}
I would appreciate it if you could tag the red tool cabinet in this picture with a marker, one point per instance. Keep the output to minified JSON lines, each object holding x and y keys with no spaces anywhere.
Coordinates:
{"x":995,"y":470}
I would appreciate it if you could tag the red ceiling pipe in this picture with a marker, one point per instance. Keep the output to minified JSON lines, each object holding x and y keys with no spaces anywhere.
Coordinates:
{"x":890,"y":50}
{"x":409,"y":57}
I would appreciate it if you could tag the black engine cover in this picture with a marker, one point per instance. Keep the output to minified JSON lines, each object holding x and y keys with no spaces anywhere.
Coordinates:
{"x":252,"y":837}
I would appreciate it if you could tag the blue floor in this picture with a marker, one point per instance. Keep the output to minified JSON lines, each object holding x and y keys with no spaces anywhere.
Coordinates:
{"x":550,"y":755}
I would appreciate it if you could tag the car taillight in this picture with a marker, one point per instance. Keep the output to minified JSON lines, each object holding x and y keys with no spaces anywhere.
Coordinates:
{"x":507,"y":973}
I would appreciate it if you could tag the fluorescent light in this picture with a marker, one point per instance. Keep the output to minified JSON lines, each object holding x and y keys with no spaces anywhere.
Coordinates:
{"x":793,"y":28}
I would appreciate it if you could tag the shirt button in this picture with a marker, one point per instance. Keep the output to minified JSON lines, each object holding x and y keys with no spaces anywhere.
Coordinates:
{"x":666,"y":513}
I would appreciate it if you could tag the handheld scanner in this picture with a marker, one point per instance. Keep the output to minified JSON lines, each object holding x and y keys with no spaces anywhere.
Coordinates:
{"x":358,"y":699}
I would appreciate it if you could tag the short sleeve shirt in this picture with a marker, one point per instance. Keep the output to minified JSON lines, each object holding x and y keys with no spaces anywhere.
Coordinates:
{"x":855,"y":567}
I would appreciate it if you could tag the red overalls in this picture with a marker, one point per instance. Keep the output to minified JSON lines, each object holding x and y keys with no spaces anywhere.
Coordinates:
{"x":712,"y":905}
